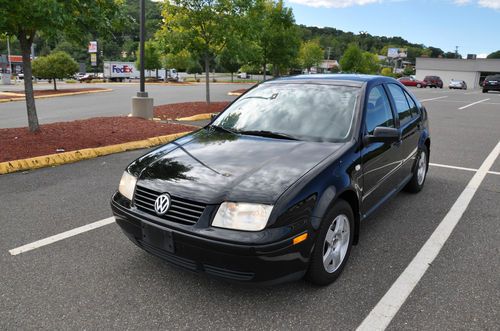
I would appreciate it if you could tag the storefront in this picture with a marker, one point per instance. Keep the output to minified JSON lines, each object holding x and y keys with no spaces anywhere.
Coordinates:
{"x":471,"y":71}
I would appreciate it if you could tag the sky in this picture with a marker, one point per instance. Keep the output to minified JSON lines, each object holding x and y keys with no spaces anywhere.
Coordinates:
{"x":472,"y":25}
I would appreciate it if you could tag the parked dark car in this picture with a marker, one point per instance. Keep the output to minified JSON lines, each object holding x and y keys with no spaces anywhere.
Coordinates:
{"x":491,"y":83}
{"x":410,"y":81}
{"x":433,"y":81}
{"x":275,"y":187}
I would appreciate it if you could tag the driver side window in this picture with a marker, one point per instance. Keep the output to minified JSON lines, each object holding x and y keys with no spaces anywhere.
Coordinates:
{"x":378,"y":110}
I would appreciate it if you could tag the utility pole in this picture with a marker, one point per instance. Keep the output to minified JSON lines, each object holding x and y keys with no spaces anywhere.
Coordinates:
{"x":142,"y":105}
{"x":329,"y":49}
{"x":456,"y":52}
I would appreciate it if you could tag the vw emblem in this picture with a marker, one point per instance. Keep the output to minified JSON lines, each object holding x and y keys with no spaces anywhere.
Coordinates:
{"x":162,"y":204}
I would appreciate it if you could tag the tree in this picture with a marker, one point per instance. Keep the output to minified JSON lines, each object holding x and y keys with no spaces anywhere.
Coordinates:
{"x":151,"y":57}
{"x":352,"y":60}
{"x":370,"y":63}
{"x":310,"y":54}
{"x":204,"y":27}
{"x":194,"y":68}
{"x":181,"y":60}
{"x":277,"y":36}
{"x":55,"y":66}
{"x":435,"y":52}
{"x":26,"y":18}
{"x":494,"y":55}
{"x":452,"y":55}
{"x":229,"y":61}
{"x":356,"y":61}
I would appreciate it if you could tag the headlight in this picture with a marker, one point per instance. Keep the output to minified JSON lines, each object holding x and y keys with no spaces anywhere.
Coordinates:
{"x":242,"y":216}
{"x":127,"y":185}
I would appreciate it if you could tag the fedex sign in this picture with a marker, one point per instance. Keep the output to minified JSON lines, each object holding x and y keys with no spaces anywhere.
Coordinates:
{"x":122,"y":69}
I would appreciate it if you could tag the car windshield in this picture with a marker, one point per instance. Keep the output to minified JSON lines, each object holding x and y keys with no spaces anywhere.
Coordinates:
{"x":295,"y":111}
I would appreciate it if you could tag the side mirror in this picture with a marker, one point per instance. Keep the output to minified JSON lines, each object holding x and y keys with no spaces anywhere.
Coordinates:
{"x":383,"y":135}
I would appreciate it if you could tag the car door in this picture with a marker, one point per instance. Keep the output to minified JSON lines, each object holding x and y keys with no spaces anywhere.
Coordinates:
{"x":379,"y":160}
{"x":409,"y":125}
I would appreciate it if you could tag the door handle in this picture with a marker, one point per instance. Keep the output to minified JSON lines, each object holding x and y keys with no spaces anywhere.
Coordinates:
{"x":397,"y":143}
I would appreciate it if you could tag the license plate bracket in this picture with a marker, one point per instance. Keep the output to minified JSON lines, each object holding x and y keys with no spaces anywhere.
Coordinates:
{"x":157,"y":237}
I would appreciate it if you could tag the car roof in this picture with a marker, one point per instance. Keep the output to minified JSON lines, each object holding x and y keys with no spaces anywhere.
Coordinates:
{"x":338,"y":79}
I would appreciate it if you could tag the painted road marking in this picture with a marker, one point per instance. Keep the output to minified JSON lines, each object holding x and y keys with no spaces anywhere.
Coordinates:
{"x":472,"y":104}
{"x":461,"y":168}
{"x":451,"y":167}
{"x":385,"y":310}
{"x":61,"y":236}
{"x":434,"y":98}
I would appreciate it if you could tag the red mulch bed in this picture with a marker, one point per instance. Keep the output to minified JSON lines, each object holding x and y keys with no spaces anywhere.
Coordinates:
{"x":19,"y":143}
{"x":240,"y":91}
{"x":50,"y":92}
{"x":186,"y":109}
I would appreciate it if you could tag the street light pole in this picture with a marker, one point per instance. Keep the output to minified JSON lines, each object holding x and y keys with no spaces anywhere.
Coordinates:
{"x":8,"y":54}
{"x":142,"y":92}
{"x":142,"y":105}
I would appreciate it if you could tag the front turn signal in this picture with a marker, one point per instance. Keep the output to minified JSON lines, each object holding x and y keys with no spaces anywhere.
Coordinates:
{"x":299,"y":239}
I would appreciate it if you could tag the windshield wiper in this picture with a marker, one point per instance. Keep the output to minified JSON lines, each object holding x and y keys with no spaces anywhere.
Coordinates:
{"x":220,"y":128}
{"x":269,"y":134}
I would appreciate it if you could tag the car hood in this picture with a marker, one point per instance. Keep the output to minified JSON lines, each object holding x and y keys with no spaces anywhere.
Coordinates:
{"x":212,"y":166}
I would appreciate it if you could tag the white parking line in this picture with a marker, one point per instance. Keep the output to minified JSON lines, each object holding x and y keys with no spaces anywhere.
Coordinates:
{"x":434,"y":98}
{"x":385,"y":310}
{"x":451,"y":167}
{"x":472,"y":104}
{"x":461,"y":168}
{"x":61,"y":236}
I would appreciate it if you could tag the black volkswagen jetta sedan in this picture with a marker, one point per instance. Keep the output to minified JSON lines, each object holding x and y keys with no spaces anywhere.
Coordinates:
{"x":275,"y":187}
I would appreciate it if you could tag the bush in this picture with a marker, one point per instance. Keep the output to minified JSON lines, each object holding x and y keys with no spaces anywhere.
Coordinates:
{"x":386,"y":72}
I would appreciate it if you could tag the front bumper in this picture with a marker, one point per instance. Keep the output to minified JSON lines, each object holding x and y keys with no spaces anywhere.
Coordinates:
{"x":261,"y":262}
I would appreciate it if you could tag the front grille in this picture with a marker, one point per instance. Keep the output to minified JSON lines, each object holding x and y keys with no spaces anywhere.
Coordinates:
{"x":181,"y":210}
{"x":230,"y":274}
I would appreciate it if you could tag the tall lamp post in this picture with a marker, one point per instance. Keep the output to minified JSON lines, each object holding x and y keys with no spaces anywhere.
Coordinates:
{"x":142,"y":105}
{"x":142,"y":33}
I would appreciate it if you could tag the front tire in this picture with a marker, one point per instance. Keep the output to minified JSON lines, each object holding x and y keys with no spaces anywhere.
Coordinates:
{"x":417,"y":181}
{"x":333,"y":245}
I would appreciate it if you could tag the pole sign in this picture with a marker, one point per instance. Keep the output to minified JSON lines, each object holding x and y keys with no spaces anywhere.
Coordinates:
{"x":92,"y":46}
{"x":93,"y":59}
{"x":397,"y":53}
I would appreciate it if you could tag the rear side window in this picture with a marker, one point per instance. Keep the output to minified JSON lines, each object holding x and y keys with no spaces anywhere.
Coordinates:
{"x":413,"y":107}
{"x":402,"y":106}
{"x":378,"y":110}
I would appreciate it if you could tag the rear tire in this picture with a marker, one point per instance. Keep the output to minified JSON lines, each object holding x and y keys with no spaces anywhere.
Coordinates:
{"x":333,"y":245}
{"x":485,"y":91}
{"x":419,"y":85}
{"x":417,"y":181}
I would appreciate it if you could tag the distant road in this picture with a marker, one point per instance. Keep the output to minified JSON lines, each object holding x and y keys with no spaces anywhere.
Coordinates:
{"x":115,"y":103}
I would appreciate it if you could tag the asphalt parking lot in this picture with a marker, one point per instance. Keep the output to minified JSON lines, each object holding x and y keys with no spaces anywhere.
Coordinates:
{"x":99,"y":280}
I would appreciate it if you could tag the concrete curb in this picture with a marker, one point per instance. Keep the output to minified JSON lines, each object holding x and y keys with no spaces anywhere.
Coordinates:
{"x":56,"y":95}
{"x":83,"y":154}
{"x":199,"y":117}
